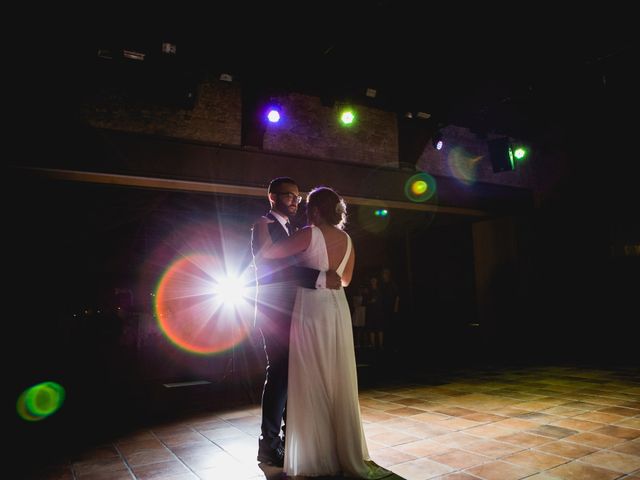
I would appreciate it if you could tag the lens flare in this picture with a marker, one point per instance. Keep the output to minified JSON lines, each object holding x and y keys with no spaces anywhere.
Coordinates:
{"x":463,"y":165}
{"x":373,"y":219}
{"x":420,"y":187}
{"x":40,"y":401}
{"x":200,"y":308}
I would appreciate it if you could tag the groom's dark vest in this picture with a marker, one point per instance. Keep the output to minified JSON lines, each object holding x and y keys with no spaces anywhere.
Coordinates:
{"x":283,"y":271}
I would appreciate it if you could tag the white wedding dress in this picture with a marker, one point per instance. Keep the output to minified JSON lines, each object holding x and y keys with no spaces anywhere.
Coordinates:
{"x":324,"y":430}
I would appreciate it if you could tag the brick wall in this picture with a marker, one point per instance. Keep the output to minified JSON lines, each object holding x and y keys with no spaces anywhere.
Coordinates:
{"x":311,"y":129}
{"x":215,"y":117}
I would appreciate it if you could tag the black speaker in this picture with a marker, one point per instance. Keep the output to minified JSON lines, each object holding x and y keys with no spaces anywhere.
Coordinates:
{"x":500,"y":154}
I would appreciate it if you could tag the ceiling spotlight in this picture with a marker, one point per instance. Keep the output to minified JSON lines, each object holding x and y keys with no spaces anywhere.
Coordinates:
{"x":408,"y":115}
{"x":226,"y":77}
{"x":347,"y":117}
{"x":423,"y":115}
{"x":273,"y":115}
{"x":437,"y":141}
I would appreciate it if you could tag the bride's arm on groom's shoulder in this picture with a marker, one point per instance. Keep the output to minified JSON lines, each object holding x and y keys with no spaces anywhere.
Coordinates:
{"x":296,"y":243}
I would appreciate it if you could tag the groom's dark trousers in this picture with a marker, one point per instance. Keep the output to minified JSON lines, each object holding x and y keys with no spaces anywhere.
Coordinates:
{"x":277,"y":281}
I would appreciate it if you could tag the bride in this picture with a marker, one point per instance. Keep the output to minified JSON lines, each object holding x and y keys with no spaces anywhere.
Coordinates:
{"x":324,"y":429}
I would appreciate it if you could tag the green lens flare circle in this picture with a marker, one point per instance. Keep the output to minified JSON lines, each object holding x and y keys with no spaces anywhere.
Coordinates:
{"x":420,"y":187}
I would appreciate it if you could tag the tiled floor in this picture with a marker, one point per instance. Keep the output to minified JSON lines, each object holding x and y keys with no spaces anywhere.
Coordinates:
{"x":539,"y":423}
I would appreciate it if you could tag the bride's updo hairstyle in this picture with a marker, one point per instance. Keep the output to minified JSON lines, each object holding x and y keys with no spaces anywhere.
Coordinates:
{"x":330,"y":205}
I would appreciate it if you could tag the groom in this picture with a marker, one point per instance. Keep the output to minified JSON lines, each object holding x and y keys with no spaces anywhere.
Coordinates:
{"x":277,"y":281}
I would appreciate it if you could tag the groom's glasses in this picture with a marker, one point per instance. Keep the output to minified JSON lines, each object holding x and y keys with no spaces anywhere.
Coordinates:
{"x":291,"y":196}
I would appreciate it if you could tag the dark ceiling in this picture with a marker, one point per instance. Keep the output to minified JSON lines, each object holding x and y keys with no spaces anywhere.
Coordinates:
{"x":530,"y":73}
{"x":519,"y":73}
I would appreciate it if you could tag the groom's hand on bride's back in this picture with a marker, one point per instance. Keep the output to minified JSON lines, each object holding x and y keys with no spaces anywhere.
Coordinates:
{"x":333,"y":280}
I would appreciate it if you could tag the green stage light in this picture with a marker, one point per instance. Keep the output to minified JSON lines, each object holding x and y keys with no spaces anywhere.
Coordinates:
{"x":347,"y":117}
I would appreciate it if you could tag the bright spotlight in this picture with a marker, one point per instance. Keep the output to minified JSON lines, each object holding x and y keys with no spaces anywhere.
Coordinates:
{"x":230,"y":290}
{"x":273,"y":115}
{"x":438,"y":143}
{"x":347,"y":117}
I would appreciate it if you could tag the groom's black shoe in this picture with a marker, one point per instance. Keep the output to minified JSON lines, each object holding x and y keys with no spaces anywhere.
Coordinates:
{"x":272,"y":456}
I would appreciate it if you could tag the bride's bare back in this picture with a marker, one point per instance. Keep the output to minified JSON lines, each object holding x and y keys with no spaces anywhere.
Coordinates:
{"x":336,"y":241}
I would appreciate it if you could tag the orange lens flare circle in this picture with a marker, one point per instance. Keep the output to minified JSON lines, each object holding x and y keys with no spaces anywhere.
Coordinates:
{"x":190,"y":311}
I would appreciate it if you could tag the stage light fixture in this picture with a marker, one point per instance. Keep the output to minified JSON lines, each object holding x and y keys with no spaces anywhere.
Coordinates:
{"x":347,"y":117}
{"x":437,"y":141}
{"x":273,"y":114}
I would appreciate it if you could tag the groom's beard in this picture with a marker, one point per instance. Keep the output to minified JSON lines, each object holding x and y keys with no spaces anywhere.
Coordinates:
{"x":288,"y":210}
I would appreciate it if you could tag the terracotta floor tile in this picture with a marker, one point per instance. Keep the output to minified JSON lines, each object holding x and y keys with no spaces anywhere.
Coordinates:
{"x":458,"y":424}
{"x":566,"y":449}
{"x":589,"y":407}
{"x":204,"y":461}
{"x":629,"y":423}
{"x":420,"y":469}
{"x":619,"y":432}
{"x":127,"y":449}
{"x":426,"y":430}
{"x":208,"y":424}
{"x":400,"y":423}
{"x":156,"y":471}
{"x":622,"y":411}
{"x":454,"y":411}
{"x":618,"y":462}
{"x":455,"y":439}
{"x":515,"y":423}
{"x":391,"y":456}
{"x":483,"y":417}
{"x":185,"y":438}
{"x":217,"y":433}
{"x":552,"y":431}
{"x":535,"y":459}
{"x":564,"y":411}
{"x":581,"y":471}
{"x":523,"y":439}
{"x":123,"y":474}
{"x":455,"y":476}
{"x":459,"y":459}
{"x":600,"y":417}
{"x":499,"y":470}
{"x":100,"y":452}
{"x":198,"y":449}
{"x":98,"y":465}
{"x":394,"y":438}
{"x":137,"y":436}
{"x":543,"y":476}
{"x":372,"y":416}
{"x":404,"y":411}
{"x":533,"y":405}
{"x":489,"y":431}
{"x":580,"y":425}
{"x":632,"y":448}
{"x":492,"y":449}
{"x":594,"y":440}
{"x":144,"y":457}
{"x":423,"y":448}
